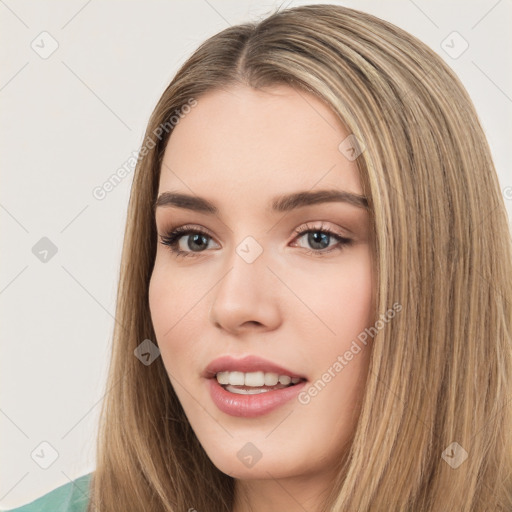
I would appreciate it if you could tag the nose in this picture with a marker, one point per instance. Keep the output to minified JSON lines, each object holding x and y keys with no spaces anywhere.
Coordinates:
{"x":246,"y":298}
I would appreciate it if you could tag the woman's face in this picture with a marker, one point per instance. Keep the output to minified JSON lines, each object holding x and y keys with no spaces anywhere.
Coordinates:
{"x":266,"y":288}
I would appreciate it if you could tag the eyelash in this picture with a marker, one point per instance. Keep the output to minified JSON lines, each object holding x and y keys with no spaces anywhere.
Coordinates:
{"x":172,"y":238}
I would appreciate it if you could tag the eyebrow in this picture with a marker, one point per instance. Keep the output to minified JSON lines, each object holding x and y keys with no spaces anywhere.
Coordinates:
{"x":283,"y":203}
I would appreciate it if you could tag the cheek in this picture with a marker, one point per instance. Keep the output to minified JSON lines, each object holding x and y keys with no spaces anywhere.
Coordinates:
{"x":342,"y":296}
{"x":160,"y":303}
{"x":176,"y":309}
{"x":171,"y":295}
{"x":343,"y":300}
{"x":178,"y":315}
{"x":356,"y":304}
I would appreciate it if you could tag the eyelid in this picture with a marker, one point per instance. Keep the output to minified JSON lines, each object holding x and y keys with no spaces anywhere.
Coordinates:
{"x":184,"y":230}
{"x":306,"y":227}
{"x":174,"y":234}
{"x":301,"y":229}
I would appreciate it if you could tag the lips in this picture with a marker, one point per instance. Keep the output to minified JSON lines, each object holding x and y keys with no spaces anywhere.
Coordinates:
{"x":235,"y":400}
{"x":251,"y":406}
{"x":247,"y":364}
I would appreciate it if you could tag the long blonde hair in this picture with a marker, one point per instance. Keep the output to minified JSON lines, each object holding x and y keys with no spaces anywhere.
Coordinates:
{"x":440,"y":372}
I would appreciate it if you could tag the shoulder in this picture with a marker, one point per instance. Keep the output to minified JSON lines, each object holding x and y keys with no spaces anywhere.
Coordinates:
{"x":70,"y":497}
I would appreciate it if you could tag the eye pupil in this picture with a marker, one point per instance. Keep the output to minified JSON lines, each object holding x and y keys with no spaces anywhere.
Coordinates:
{"x":193,"y":239}
{"x":317,"y":237}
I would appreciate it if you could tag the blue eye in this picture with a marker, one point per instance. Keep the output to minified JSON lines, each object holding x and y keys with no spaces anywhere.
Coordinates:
{"x":320,"y":238}
{"x":197,"y":241}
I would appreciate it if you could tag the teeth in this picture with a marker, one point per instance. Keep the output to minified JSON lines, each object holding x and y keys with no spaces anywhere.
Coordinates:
{"x":236,"y":378}
{"x":223,"y":378}
{"x":271,"y":379}
{"x":254,"y":379}
{"x":241,"y":391}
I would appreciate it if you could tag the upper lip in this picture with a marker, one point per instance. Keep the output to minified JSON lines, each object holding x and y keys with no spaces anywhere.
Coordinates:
{"x":246,"y":364}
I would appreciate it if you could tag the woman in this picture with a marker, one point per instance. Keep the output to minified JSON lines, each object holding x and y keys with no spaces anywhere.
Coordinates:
{"x":315,"y":303}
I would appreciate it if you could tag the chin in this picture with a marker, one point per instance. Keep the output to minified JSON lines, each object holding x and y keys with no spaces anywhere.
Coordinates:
{"x":270,"y":466}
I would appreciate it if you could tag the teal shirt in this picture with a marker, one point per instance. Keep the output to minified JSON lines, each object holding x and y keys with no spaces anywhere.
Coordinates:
{"x":70,"y":497}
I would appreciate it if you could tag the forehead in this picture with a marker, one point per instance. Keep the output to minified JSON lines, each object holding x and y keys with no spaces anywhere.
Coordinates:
{"x":255,"y":143}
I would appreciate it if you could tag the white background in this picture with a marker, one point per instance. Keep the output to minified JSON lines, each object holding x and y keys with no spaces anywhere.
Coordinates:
{"x":68,"y":123}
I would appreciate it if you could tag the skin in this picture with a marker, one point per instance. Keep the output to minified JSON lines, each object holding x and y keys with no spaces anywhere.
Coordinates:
{"x":240,"y":147}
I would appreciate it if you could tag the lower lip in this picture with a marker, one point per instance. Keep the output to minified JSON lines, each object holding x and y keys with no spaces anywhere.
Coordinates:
{"x":250,"y":406}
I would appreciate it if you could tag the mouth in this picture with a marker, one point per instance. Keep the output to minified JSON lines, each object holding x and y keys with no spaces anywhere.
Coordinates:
{"x":250,"y":386}
{"x":253,"y":383}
